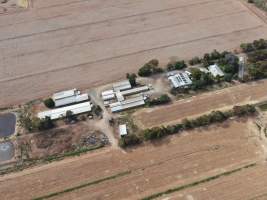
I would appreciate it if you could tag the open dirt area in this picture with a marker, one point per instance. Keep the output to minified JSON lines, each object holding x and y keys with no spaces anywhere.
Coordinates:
{"x":59,"y":44}
{"x":152,"y":168}
{"x":222,"y":99}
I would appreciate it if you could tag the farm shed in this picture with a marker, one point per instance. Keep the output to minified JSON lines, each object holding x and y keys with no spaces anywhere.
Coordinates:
{"x":61,"y":112}
{"x":65,"y":94}
{"x":127,"y":104}
{"x":108,"y":95}
{"x":121,"y":86}
{"x":71,"y":100}
{"x":180,"y":80}
{"x":215,"y":70}
{"x":135,"y":90}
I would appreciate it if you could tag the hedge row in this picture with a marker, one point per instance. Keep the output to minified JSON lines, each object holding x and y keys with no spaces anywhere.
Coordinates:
{"x":187,"y":124}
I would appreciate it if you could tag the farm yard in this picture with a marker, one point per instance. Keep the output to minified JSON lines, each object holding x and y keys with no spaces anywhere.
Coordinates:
{"x":153,"y":168}
{"x":73,"y":126}
{"x":59,"y":44}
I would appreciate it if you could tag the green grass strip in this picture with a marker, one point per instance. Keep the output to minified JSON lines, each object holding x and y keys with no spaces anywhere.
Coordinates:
{"x":154,"y":196}
{"x":82,"y":186}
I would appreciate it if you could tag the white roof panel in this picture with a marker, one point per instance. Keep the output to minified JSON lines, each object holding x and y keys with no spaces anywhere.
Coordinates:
{"x":61,"y":112}
{"x":64,"y":94}
{"x":123,"y":130}
{"x":71,"y":99}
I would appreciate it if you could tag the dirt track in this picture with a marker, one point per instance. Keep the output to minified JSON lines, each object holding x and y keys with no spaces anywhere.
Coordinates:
{"x":176,"y":161}
{"x":67,"y":43}
{"x":207,"y":102}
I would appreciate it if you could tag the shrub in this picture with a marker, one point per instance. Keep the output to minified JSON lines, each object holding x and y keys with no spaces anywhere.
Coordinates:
{"x":150,"y":68}
{"x":163,"y":99}
{"x":177,"y":65}
{"x":46,"y":124}
{"x":129,"y":140}
{"x":195,"y":61}
{"x":132,"y":79}
{"x":49,"y":103}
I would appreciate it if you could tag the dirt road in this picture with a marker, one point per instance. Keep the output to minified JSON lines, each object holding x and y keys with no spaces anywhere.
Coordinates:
{"x":153,"y":168}
{"x":75,"y":43}
{"x":225,"y":98}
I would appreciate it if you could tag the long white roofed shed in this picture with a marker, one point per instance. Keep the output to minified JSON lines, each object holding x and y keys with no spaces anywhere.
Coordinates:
{"x":61,"y":112}
{"x":65,"y":94}
{"x":71,"y":100}
{"x":123,"y":85}
{"x":127,"y":104}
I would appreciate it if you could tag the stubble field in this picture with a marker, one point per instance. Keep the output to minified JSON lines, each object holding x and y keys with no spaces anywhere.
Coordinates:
{"x":65,"y":43}
{"x":153,"y":168}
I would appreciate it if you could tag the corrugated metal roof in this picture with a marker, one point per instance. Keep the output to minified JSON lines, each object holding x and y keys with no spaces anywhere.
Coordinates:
{"x":71,"y":99}
{"x":180,"y":80}
{"x":215,"y":70}
{"x":135,"y":90}
{"x":123,"y":85}
{"x":129,"y":103}
{"x":65,"y":94}
{"x":61,"y":112}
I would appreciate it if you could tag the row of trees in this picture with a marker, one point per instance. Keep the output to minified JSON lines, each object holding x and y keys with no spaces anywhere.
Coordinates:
{"x":163,"y":99}
{"x":255,"y":45}
{"x":150,"y":68}
{"x":187,"y":124}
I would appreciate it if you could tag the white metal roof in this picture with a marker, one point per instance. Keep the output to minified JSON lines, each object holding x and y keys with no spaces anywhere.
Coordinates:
{"x":123,"y":130}
{"x":119,"y":96}
{"x":65,"y":94}
{"x":180,"y":80}
{"x":71,"y":99}
{"x":123,"y":85}
{"x":107,"y":92}
{"x":135,"y":90}
{"x":215,"y":70}
{"x":126,"y":104}
{"x":61,"y":112}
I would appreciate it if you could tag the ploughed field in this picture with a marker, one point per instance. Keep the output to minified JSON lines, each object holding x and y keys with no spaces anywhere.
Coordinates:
{"x":174,"y":161}
{"x":191,"y":107}
{"x":60,"y":44}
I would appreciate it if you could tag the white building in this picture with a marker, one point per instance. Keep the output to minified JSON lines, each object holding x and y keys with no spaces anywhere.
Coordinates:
{"x":61,"y":112}
{"x":71,"y":100}
{"x":127,"y":104}
{"x":108,"y":95}
{"x":69,"y":97}
{"x":215,"y":70}
{"x":181,"y":79}
{"x":123,"y":130}
{"x":121,"y":86}
{"x":65,"y":94}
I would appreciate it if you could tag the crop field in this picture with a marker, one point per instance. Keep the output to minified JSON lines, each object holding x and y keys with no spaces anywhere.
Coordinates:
{"x":138,"y":173}
{"x":197,"y":105}
{"x":58,"y":44}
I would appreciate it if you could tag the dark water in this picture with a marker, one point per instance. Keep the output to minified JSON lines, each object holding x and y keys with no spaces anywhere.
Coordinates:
{"x":6,"y":151}
{"x":7,"y":124}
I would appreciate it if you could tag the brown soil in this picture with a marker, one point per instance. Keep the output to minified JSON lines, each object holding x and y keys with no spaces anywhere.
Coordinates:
{"x":61,"y":44}
{"x":155,"y":167}
{"x":225,"y":98}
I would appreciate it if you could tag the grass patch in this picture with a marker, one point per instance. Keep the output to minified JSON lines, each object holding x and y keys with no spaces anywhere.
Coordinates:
{"x":82,"y":186}
{"x":154,"y":196}
{"x":263,"y":107}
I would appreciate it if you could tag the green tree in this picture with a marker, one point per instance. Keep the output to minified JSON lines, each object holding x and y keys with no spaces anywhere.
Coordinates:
{"x":49,"y":103}
{"x":132,"y":79}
